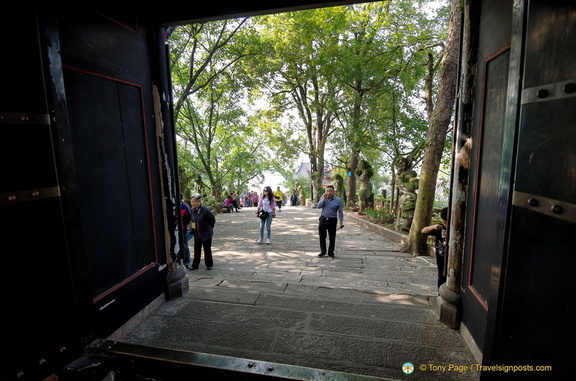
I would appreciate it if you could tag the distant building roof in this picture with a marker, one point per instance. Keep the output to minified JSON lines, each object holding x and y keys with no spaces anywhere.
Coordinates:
{"x":305,"y":169}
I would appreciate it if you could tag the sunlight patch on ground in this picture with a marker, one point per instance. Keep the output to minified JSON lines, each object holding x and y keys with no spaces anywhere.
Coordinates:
{"x":403,"y":299}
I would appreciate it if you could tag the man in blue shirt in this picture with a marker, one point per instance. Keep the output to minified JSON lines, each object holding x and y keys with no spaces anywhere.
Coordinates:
{"x":332,"y":209}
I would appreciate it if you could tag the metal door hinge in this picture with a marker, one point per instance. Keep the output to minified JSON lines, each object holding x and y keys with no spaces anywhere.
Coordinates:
{"x":28,"y":195}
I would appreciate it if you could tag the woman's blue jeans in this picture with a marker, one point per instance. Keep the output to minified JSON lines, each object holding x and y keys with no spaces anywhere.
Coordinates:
{"x":186,"y":256}
{"x":268,"y":223}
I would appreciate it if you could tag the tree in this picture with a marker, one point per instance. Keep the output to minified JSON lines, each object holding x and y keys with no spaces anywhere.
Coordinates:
{"x":343,"y":80}
{"x":194,"y":48}
{"x":211,"y":119}
{"x":339,"y":67}
{"x":299,"y":74}
{"x":381,"y":67}
{"x":439,"y":120}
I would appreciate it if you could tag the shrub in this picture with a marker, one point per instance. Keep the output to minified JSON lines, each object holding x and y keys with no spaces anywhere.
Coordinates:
{"x":380,"y":216}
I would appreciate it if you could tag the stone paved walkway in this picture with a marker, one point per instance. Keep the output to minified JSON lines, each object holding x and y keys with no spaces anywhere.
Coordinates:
{"x":366,"y":312}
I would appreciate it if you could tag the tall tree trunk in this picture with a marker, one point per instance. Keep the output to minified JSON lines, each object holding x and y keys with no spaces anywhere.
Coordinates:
{"x":313,"y":174}
{"x":392,"y":206}
{"x":355,"y":150}
{"x":462,"y":160}
{"x":439,"y":121}
{"x":318,"y":180}
{"x":351,"y":198}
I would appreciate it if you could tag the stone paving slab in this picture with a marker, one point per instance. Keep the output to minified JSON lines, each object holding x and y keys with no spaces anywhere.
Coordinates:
{"x":391,"y":312}
{"x":366,"y":312}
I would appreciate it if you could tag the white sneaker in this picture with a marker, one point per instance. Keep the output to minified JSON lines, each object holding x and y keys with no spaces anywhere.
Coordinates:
{"x":260,"y":240}
{"x":267,"y":241}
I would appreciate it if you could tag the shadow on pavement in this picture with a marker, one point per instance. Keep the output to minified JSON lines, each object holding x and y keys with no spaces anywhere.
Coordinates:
{"x":366,"y":312}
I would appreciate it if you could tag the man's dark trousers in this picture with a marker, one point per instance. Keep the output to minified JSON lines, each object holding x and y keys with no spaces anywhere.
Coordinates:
{"x":327,"y":225}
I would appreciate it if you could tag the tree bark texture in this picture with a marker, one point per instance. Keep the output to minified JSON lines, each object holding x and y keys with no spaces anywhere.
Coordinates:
{"x":351,"y":200}
{"x":439,"y":122}
{"x":462,"y":145}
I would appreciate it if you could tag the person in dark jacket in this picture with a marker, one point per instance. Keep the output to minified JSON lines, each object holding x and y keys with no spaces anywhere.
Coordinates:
{"x":202,"y":227}
{"x":293,"y":199}
{"x":438,"y":231}
{"x":186,"y":215}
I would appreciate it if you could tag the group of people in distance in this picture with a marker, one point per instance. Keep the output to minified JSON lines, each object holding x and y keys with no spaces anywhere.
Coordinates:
{"x":231,"y":203}
{"x":249,"y":199}
{"x":198,"y":223}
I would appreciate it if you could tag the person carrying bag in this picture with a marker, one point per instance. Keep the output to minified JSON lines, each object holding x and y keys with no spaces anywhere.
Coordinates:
{"x":266,"y":211}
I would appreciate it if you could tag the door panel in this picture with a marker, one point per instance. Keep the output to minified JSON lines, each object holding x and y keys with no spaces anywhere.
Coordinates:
{"x":112,"y":171}
{"x":486,"y":239}
{"x":537,"y":319}
{"x":40,"y":326}
{"x":107,"y":83}
{"x":108,"y":134}
{"x":546,"y":153}
{"x":533,"y":321}
{"x":477,"y":279}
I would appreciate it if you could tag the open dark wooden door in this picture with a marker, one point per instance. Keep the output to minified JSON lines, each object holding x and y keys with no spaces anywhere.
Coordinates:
{"x":531,"y":314}
{"x":83,"y":220}
{"x":40,"y":315}
{"x":486,"y":242}
{"x":105,"y":83}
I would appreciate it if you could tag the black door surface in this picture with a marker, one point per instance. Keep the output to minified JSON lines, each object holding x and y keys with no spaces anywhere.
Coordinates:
{"x":532,"y":320}
{"x":111,"y":137}
{"x":39,"y":312}
{"x":486,"y":240}
{"x":82,"y":219}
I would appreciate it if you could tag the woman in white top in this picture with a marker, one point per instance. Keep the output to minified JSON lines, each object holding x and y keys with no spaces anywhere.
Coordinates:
{"x":268,"y":204}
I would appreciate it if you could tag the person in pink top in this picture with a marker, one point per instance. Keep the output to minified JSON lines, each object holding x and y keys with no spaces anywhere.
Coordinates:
{"x":268,"y":205}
